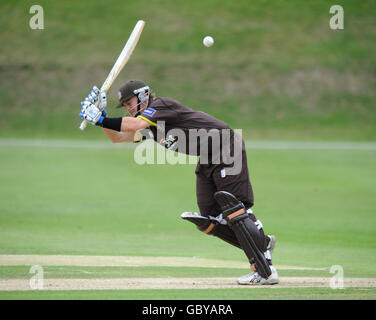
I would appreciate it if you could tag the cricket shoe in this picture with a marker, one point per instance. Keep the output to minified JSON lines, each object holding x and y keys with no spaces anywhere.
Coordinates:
{"x":255,"y":279}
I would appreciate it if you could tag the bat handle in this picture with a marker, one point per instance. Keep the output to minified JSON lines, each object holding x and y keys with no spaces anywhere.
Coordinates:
{"x":83,"y":124}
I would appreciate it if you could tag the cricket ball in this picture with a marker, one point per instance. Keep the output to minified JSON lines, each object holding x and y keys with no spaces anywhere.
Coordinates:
{"x":208,"y":41}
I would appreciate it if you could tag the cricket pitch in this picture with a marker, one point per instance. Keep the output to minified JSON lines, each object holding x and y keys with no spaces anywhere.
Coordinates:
{"x":153,"y":283}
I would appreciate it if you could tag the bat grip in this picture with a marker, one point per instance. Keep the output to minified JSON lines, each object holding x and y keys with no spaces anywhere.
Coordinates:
{"x":83,"y":124}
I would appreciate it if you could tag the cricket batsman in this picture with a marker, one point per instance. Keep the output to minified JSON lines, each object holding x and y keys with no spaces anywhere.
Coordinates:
{"x":224,"y":196}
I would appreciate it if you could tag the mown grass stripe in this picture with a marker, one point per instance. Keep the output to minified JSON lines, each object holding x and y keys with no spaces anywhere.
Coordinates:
{"x":267,"y":145}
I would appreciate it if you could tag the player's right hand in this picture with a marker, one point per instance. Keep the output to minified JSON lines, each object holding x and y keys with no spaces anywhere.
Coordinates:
{"x":97,"y":98}
{"x":91,"y":113}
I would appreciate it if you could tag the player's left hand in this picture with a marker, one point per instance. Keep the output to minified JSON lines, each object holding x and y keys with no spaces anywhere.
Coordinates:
{"x":98,"y":98}
{"x":92,"y":113}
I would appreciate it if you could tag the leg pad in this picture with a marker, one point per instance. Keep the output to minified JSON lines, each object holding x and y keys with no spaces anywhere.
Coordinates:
{"x":245,"y":230}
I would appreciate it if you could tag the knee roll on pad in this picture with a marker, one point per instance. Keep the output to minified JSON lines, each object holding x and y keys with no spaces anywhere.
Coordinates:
{"x":245,"y":230}
{"x":211,"y":226}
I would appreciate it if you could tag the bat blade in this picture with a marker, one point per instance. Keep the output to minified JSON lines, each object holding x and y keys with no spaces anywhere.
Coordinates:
{"x":121,"y":61}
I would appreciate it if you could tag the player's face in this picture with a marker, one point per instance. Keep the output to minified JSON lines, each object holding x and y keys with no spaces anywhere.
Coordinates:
{"x":131,"y":105}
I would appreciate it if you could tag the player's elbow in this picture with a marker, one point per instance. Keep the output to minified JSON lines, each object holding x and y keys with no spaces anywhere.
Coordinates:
{"x":114,"y":140}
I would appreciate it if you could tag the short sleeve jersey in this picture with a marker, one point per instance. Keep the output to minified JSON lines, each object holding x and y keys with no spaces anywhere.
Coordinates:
{"x":174,"y":125}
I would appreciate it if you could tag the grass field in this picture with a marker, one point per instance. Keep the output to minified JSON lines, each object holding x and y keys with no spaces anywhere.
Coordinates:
{"x":103,"y":227}
{"x":50,"y":206}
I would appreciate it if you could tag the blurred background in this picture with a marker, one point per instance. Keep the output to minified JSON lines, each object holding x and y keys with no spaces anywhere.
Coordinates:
{"x":276,"y":69}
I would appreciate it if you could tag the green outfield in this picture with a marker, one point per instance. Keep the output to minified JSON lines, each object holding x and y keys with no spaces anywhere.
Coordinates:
{"x":104,"y":227}
{"x":319,"y":203}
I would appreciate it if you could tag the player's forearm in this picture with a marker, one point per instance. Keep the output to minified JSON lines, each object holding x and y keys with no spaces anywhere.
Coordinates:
{"x":129,"y":124}
{"x":116,"y":136}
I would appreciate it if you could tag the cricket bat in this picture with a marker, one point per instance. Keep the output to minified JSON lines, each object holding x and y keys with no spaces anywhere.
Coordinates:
{"x":121,"y":61}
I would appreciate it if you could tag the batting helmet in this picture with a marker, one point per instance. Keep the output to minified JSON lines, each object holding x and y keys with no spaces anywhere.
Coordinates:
{"x":133,"y":88}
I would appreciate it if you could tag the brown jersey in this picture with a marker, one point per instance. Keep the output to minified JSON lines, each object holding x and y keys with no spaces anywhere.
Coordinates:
{"x":177,"y":127}
{"x":211,"y":176}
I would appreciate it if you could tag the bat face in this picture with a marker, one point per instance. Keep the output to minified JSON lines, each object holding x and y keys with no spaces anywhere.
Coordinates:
{"x":121,"y":61}
{"x":124,"y":56}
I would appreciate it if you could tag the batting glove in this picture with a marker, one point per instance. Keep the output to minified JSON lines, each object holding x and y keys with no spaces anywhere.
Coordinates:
{"x":91,"y":113}
{"x":98,"y":98}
